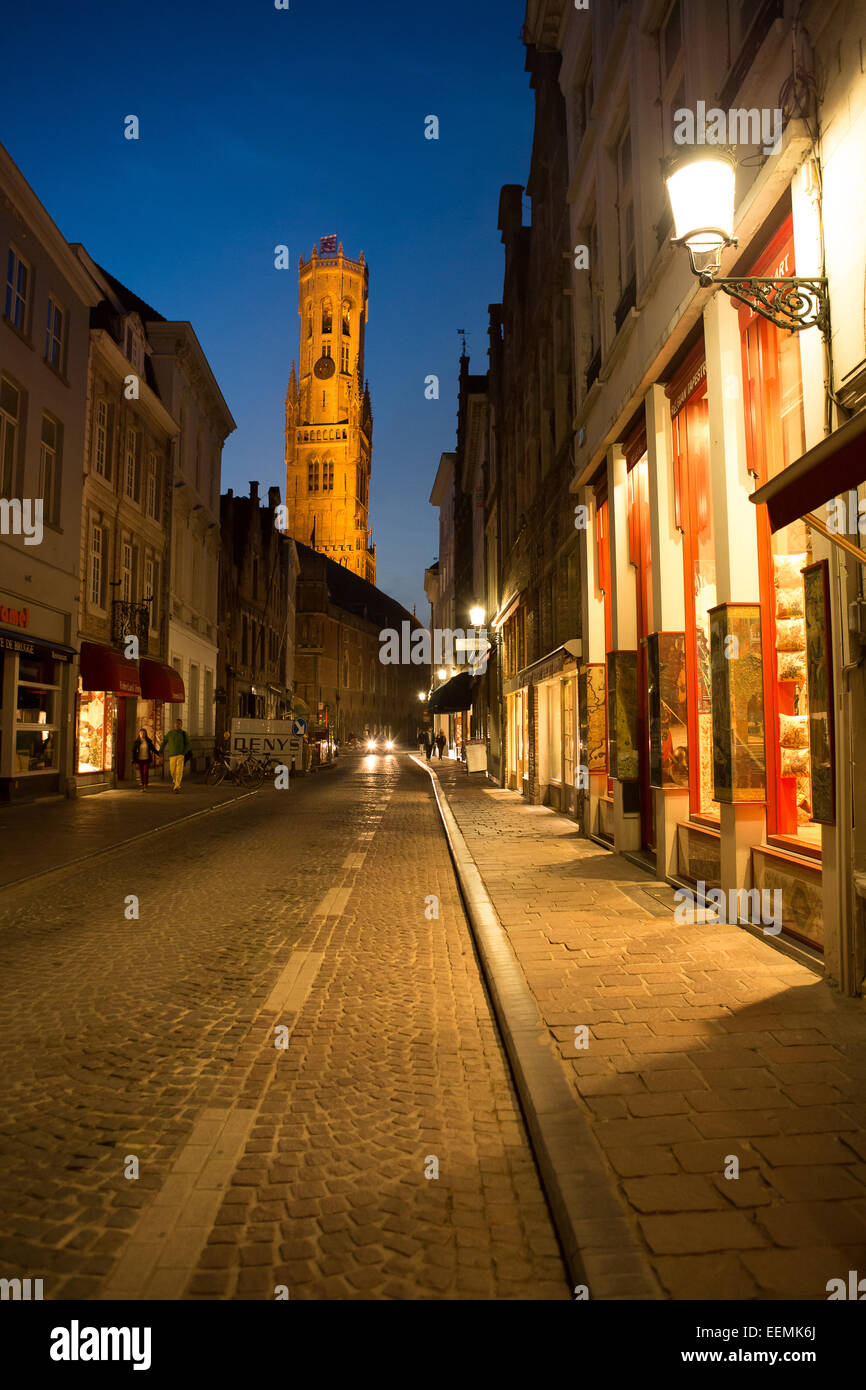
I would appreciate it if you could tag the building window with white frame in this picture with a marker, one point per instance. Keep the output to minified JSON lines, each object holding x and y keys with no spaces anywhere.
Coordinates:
{"x":151,"y":590}
{"x":97,"y":548}
{"x":153,"y":486}
{"x":54,"y":330}
{"x":49,"y":469}
{"x":625,"y":211}
{"x":130,"y":483}
{"x":10,"y":421}
{"x":17,"y":290}
{"x":126,"y":571}
{"x":100,"y":440}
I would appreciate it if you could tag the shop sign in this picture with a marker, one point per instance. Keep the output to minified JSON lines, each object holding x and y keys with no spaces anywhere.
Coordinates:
{"x":691,"y":385}
{"x":15,"y":617}
{"x":263,"y":738}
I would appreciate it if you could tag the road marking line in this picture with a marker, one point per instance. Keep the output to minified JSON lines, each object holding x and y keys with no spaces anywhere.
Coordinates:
{"x":165,"y":1246}
{"x":333,"y":903}
{"x":354,"y":861}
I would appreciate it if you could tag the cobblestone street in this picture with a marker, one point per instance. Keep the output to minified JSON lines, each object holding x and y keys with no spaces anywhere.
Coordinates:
{"x":153,"y":1039}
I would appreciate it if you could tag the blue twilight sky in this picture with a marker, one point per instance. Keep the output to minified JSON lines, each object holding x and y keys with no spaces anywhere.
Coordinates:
{"x":262,"y":126}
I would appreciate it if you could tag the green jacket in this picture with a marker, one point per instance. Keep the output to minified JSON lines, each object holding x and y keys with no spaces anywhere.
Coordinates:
{"x":176,"y":743}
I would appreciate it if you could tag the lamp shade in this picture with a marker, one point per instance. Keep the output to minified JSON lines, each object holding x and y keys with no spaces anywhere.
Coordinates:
{"x":701,"y":189}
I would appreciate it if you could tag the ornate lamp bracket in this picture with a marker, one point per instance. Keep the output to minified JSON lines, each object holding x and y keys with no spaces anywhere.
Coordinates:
{"x":795,"y":303}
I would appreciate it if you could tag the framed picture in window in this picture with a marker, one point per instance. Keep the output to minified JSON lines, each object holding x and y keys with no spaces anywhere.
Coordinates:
{"x":667,"y":693}
{"x":593,"y":721}
{"x":622,"y":715}
{"x":819,"y":670}
{"x":737,"y":670}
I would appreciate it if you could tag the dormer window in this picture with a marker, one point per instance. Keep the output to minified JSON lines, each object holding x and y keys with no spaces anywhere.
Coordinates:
{"x":133,"y":347}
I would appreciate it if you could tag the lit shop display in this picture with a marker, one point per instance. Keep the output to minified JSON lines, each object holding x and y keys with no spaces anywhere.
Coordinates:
{"x":95,"y":723}
{"x":693,"y":507}
{"x":775,"y":438}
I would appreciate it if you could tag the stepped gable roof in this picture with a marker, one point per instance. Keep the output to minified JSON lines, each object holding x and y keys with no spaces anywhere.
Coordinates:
{"x":356,"y":595}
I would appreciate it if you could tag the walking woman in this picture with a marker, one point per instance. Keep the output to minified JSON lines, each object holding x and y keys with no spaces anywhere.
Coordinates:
{"x":143,"y":754}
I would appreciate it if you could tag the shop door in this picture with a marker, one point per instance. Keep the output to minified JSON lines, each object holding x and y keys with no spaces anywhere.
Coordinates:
{"x":122,"y":743}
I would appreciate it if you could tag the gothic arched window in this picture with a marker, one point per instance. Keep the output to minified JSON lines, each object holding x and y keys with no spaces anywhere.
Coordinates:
{"x":347,"y":308}
{"x":327,"y":316}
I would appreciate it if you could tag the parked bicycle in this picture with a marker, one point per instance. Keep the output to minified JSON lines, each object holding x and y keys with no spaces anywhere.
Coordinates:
{"x":244,"y":773}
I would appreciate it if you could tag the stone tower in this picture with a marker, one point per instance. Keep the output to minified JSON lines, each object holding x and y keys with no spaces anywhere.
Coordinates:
{"x":329,"y":421}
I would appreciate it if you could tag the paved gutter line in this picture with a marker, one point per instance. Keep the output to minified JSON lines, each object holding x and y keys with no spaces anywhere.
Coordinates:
{"x":121,"y":844}
{"x":601,"y":1247}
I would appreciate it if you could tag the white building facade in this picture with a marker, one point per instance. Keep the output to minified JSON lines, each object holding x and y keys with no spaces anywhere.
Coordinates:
{"x":189,"y":389}
{"x":44,"y":327}
{"x":739,"y":774}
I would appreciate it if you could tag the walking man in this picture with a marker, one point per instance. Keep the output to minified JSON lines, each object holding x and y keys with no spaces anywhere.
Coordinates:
{"x":177,"y":744}
{"x":440,"y":743}
{"x":428,"y":744}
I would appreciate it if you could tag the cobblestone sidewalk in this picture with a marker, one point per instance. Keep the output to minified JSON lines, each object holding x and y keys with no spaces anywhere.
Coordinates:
{"x":68,"y":829}
{"x":705,"y":1044}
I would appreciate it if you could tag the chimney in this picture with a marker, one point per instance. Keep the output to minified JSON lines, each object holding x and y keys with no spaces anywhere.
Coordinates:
{"x":273,"y":498}
{"x":254,"y":492}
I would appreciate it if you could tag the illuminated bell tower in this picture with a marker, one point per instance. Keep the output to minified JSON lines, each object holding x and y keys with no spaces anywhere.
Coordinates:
{"x":329,"y":422}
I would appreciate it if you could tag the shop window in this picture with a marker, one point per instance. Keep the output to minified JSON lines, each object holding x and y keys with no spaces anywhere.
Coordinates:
{"x":775,"y":438}
{"x":693,"y":503}
{"x":36,"y":722}
{"x":568,"y":731}
{"x":602,"y":541}
{"x":94,"y":731}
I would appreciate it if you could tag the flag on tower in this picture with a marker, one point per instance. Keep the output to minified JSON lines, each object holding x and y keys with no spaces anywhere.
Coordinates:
{"x":328,"y":245}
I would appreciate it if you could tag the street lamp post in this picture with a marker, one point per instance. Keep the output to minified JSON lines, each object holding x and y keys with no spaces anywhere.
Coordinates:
{"x":700,"y":183}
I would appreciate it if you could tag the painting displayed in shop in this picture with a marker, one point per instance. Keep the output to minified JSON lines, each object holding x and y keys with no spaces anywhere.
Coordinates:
{"x":593,"y":717}
{"x":816,"y":584}
{"x":668,"y":709}
{"x":737,"y":669}
{"x":622,"y":715}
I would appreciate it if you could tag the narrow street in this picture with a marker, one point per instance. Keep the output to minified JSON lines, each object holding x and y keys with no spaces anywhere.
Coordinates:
{"x":380,"y":1153}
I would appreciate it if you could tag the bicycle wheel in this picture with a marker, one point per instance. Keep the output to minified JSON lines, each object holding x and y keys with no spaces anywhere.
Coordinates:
{"x":216,"y":774}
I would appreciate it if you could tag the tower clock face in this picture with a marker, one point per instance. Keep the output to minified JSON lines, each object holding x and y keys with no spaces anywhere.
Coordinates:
{"x":324,"y":368}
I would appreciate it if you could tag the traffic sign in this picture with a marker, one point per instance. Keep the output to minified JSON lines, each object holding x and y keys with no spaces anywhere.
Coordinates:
{"x":299,"y":727}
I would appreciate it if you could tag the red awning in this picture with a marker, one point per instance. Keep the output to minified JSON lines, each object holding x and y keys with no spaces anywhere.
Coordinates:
{"x":103,"y":668}
{"x":834,"y":467}
{"x":161,"y":682}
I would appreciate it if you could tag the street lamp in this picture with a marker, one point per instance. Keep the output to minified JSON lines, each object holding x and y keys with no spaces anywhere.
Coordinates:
{"x":477,"y":616}
{"x":442,"y":673}
{"x":422,"y":696}
{"x":700,"y":183}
